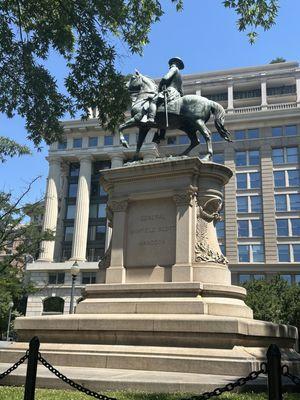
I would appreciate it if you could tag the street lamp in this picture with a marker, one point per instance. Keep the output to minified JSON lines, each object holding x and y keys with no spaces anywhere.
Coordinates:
{"x":74,"y":272}
{"x":11,"y":304}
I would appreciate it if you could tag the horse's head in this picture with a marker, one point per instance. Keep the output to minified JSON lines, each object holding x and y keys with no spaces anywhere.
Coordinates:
{"x":140,"y":83}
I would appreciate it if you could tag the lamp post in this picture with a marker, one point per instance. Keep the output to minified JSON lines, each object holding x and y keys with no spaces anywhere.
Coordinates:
{"x":74,"y":272}
{"x":11,"y":304}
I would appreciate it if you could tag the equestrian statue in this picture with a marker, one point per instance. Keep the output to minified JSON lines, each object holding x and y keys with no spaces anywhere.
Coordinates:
{"x":165,"y":107}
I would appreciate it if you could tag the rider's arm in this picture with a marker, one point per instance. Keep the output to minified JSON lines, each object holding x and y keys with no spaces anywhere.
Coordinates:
{"x":169,"y":75}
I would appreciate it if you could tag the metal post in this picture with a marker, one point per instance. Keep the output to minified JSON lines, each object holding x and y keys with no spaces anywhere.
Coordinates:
{"x":11,"y":304}
{"x":72,"y":295}
{"x":32,"y":362}
{"x":274,"y":372}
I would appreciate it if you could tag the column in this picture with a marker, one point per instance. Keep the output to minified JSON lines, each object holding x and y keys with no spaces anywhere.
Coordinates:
{"x":198,"y":91}
{"x":230,"y":210}
{"x":230,"y":97}
{"x":182,"y":270}
{"x":149,"y":151}
{"x":116,"y":271}
{"x":298,"y":90}
{"x":51,"y":208}
{"x":264,"y":102}
{"x":269,"y":220}
{"x":82,"y":210}
{"x":117,"y":160}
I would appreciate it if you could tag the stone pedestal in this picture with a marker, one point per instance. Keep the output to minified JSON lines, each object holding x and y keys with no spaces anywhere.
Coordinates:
{"x":164,"y":282}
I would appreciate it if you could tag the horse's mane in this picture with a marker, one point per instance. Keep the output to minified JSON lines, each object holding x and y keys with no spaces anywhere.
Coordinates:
{"x":150,"y":81}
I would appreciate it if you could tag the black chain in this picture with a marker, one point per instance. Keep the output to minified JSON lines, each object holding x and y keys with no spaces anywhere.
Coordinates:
{"x":14,"y":366}
{"x":71,"y":382}
{"x":231,"y":386}
{"x":286,"y":372}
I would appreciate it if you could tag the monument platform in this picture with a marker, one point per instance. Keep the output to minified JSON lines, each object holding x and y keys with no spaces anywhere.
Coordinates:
{"x":163,"y":300}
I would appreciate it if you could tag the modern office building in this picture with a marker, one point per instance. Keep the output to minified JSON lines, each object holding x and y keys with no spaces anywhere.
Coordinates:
{"x":260,"y":234}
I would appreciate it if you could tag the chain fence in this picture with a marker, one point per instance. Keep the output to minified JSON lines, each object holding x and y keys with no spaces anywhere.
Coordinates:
{"x":14,"y":366}
{"x":286,"y":372}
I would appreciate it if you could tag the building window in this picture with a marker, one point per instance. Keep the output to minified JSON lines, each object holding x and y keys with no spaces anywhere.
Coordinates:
{"x":98,"y":211}
{"x":241,"y":181}
{"x":56,"y":278}
{"x":248,"y":180}
{"x":53,"y":305}
{"x":101,"y":210}
{"x":220,"y":227}
{"x":96,"y":232}
{"x":171,"y":140}
{"x":240,"y":135}
{"x":249,"y":134}
{"x":77,"y":143}
{"x":69,"y":230}
{"x":254,"y":180}
{"x":88,"y":278}
{"x":255,"y":203}
{"x":242,"y":204}
{"x":71,"y":208}
{"x":243,"y":228}
{"x":74,"y":169}
{"x":291,"y":130}
{"x":108,"y":140}
{"x":282,"y":227}
{"x":293,"y":177}
{"x":288,"y":227}
{"x":277,"y":131}
{"x":249,"y":204}
{"x":294,"y":202}
{"x":251,"y":252}
{"x":279,"y":179}
{"x":218,"y":158}
{"x":250,"y":228}
{"x":285,"y":155}
{"x":253,"y":133}
{"x":283,"y":252}
{"x":183,"y":139}
{"x":287,"y":278}
{"x":295,"y":226}
{"x":287,"y":202}
{"x":244,"y":278}
{"x":62,"y":145}
{"x":280,"y":202}
{"x":245,"y":158}
{"x":287,"y":178}
{"x":93,"y":141}
{"x":72,"y":190}
{"x":95,"y":254}
{"x":215,"y":137}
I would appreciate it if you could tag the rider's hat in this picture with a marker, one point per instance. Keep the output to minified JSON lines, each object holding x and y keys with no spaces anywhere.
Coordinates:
{"x":178,"y":61}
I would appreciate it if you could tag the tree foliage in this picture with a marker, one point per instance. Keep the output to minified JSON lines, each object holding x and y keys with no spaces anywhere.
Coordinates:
{"x":85,"y":33}
{"x":18,"y":240}
{"x":274,"y":301}
{"x":277,"y":60}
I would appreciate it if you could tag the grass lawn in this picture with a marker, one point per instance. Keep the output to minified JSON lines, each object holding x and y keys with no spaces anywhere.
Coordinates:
{"x":16,"y":393}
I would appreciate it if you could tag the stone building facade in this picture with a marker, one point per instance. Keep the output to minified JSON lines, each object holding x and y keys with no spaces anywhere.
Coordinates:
{"x":260,"y":234}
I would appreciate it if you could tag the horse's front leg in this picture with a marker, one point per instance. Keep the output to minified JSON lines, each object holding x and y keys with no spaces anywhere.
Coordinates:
{"x":142,"y":135}
{"x":128,"y":124}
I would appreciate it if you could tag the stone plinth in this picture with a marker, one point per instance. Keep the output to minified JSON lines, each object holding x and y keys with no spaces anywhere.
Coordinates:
{"x":164,"y":299}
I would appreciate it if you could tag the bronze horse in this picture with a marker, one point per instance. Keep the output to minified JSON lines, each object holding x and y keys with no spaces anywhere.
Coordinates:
{"x":188,"y":113}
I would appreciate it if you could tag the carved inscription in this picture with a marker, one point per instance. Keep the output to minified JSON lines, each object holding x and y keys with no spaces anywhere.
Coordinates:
{"x":151,"y":233}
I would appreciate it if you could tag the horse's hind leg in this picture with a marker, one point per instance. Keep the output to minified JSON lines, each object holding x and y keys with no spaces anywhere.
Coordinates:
{"x":193,"y":138}
{"x":141,"y":138}
{"x":205,"y":132}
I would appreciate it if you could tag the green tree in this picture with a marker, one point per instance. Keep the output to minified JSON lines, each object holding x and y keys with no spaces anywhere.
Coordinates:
{"x":18,"y":240}
{"x":85,"y":33}
{"x":274,"y":301}
{"x":277,"y":60}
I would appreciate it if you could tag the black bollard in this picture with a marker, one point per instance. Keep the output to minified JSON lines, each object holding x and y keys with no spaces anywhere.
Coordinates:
{"x":274,"y":372}
{"x":32,"y":362}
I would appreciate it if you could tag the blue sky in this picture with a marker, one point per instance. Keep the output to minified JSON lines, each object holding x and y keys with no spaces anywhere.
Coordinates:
{"x":204,"y":35}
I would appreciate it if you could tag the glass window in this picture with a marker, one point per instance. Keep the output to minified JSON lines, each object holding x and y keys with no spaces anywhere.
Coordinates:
{"x":126,"y":137}
{"x":77,"y":143}
{"x":101,"y":210}
{"x":69,"y":233}
{"x":244,"y":253}
{"x":280,"y":202}
{"x":282,"y":227}
{"x":297,"y":279}
{"x":171,"y":140}
{"x":253,"y":133}
{"x":62,"y":145}
{"x":254,"y":180}
{"x":74,"y":169}
{"x":94,"y":189}
{"x":93,"y":141}
{"x":215,"y":137}
{"x":295,"y":225}
{"x":287,"y":278}
{"x":243,"y":278}
{"x":72,"y":190}
{"x":294,"y":177}
{"x":243,"y":228}
{"x":254,"y":157}
{"x":88,"y":278}
{"x":240,"y":135}
{"x":296,"y":252}
{"x":292,"y":154}
{"x":102,"y":191}
{"x":71,"y":211}
{"x":56,"y":278}
{"x":218,"y":158}
{"x":242,"y":203}
{"x":258,"y":253}
{"x":108,"y":140}
{"x":100,"y":231}
{"x":279,"y":178}
{"x":240,"y":158}
{"x":259,"y":277}
{"x":295,"y":202}
{"x":93,"y":211}
{"x":291,"y":130}
{"x":220,"y":229}
{"x":283,"y":252}
{"x":183,"y":139}
{"x":278,"y":156}
{"x":277,"y":131}
{"x":241,"y":181}
{"x":255,"y":203}
{"x":257,"y":228}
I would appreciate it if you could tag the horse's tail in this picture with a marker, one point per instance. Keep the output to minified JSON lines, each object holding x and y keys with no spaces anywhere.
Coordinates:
{"x":219,"y":114}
